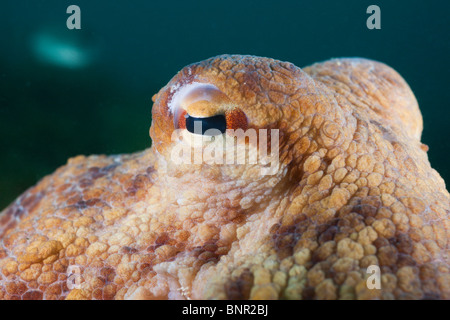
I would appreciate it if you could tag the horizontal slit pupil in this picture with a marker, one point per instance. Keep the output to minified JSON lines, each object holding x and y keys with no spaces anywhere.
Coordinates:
{"x":215,"y":122}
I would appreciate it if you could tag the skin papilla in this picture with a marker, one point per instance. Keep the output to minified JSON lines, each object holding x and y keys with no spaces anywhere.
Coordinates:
{"x":354,"y":189}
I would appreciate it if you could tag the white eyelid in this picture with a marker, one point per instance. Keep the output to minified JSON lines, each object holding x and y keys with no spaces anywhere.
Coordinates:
{"x":188,"y":94}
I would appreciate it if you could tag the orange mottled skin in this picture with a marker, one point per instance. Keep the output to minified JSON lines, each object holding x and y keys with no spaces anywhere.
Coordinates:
{"x":354,"y":188}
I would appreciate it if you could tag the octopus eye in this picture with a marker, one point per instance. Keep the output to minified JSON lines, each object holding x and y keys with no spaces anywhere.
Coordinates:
{"x":215,"y":122}
{"x":234,"y":119}
{"x":200,"y":107}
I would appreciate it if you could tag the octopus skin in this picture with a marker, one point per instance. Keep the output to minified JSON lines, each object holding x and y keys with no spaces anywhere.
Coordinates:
{"x":353,"y":189}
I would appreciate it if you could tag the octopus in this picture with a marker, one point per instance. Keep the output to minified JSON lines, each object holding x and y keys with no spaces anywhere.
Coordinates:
{"x":351,"y":209}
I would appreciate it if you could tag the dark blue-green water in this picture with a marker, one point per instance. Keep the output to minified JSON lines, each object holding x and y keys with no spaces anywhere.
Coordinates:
{"x":94,"y":96}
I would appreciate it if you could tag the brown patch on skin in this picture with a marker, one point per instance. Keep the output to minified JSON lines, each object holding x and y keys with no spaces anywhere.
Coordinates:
{"x":32,"y":295}
{"x":236,"y":119}
{"x":424,"y":147}
{"x":353,"y":188}
{"x":239,"y":289}
{"x":182,"y":120}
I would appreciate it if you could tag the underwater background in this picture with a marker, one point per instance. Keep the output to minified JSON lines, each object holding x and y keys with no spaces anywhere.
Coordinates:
{"x":68,"y":92}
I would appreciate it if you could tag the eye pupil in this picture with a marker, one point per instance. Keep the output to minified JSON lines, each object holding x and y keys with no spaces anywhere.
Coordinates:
{"x":216,"y":122}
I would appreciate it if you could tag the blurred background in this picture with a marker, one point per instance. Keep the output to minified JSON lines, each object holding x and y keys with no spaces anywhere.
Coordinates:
{"x":68,"y":92}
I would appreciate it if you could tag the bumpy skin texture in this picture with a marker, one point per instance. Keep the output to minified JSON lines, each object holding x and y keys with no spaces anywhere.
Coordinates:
{"x":354,"y":189}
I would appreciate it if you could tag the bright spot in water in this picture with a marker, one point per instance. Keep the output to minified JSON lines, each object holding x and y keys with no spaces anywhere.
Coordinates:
{"x":57,"y":50}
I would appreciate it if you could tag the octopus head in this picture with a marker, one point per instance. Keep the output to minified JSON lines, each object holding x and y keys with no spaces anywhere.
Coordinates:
{"x":244,"y":119}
